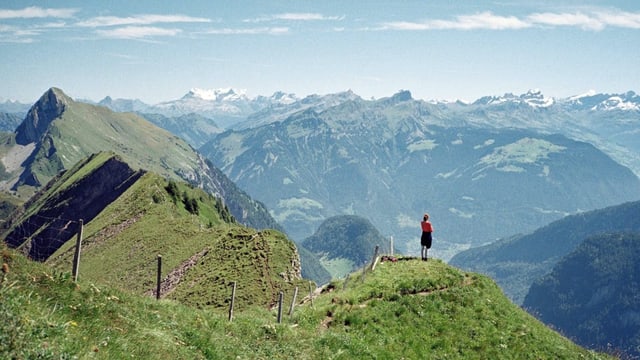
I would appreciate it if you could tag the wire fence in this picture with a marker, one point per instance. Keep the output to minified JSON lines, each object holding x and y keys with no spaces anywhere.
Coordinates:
{"x":40,"y":236}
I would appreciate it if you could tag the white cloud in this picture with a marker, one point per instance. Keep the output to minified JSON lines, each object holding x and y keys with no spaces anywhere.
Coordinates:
{"x":484,"y":20}
{"x":36,"y":12}
{"x":621,"y":19}
{"x":12,"y":34}
{"x":296,"y":17}
{"x":133,"y":27}
{"x":594,"y":20}
{"x":249,"y":31}
{"x":565,"y":19}
{"x":305,"y":17}
{"x":405,"y":25}
{"x":104,"y":21}
{"x":137,"y":32}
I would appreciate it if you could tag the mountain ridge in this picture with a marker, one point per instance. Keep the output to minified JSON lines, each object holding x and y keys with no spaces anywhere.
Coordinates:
{"x":63,"y":131}
{"x":128,"y":216}
{"x":591,"y":294}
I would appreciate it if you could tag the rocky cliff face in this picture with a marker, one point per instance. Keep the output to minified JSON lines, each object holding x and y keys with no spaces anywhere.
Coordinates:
{"x":44,"y":231}
{"x":50,"y":106}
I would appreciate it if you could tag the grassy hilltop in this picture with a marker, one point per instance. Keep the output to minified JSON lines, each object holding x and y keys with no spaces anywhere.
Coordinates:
{"x":408,"y":309}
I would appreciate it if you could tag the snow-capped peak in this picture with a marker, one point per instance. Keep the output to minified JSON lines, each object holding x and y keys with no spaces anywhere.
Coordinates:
{"x":536,"y":99}
{"x":628,"y":101}
{"x":533,"y":98}
{"x":593,"y":101}
{"x":222,"y":94}
{"x":283,"y":98}
{"x":578,"y":97}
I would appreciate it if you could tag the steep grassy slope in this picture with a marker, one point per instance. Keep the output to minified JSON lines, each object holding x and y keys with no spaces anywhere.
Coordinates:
{"x":408,"y":309}
{"x":52,"y":216}
{"x":73,"y":130}
{"x":131,"y":216}
{"x":592,"y":294}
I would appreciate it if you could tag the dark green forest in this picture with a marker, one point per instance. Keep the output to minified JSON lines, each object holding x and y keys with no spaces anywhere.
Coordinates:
{"x":591,"y":296}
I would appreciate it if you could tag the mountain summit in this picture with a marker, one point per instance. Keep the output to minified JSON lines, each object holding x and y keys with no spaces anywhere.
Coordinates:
{"x":50,"y":105}
{"x":60,"y":132}
{"x":227,"y":94}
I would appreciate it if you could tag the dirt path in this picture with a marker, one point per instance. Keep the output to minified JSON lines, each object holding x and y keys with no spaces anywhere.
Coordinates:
{"x":172,"y":279}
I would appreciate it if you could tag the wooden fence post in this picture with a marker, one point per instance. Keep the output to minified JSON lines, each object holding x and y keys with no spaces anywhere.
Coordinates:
{"x":375,"y":258}
{"x":280,"y":307}
{"x":159,"y":277}
{"x":391,"y":240}
{"x":293,"y":302}
{"x":233,"y":300}
{"x":346,"y":280}
{"x":311,"y":293}
{"x":76,"y":255}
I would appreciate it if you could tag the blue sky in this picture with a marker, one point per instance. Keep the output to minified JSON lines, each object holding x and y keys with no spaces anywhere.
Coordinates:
{"x":158,"y":50}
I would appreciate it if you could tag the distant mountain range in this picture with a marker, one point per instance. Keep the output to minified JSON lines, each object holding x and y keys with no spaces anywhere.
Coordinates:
{"x":392,"y":159}
{"x":15,"y":107}
{"x":609,"y":121}
{"x":480,"y":166}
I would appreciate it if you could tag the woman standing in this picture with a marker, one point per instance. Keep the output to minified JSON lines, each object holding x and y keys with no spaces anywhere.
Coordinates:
{"x":426,"y":238}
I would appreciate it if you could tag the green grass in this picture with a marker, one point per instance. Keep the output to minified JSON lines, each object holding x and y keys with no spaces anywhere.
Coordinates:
{"x":409,"y":309}
{"x":84,"y":129}
{"x":121,"y":245}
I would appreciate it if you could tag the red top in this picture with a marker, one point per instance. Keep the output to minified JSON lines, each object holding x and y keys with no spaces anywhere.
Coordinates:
{"x":426,"y":226}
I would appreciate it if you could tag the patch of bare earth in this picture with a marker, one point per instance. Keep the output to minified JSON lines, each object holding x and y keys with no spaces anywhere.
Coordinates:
{"x":99,"y":238}
{"x":175,"y":276}
{"x":110,"y":231}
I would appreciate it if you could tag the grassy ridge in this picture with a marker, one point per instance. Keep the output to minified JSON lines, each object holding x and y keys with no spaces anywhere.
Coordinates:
{"x":408,"y":309}
{"x":192,"y":232}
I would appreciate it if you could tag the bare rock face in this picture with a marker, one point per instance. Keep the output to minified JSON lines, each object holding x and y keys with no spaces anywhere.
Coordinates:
{"x":50,"y":106}
{"x":55,"y":223}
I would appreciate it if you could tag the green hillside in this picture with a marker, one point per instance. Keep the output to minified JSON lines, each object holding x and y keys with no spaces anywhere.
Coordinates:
{"x":516,"y":262}
{"x":408,"y":309}
{"x":81,"y":129}
{"x":130,"y":217}
{"x":344,"y":243}
{"x":592,"y":294}
{"x":58,"y":132}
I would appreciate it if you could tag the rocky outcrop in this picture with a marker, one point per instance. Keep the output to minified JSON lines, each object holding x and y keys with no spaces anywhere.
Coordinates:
{"x":50,"y":106}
